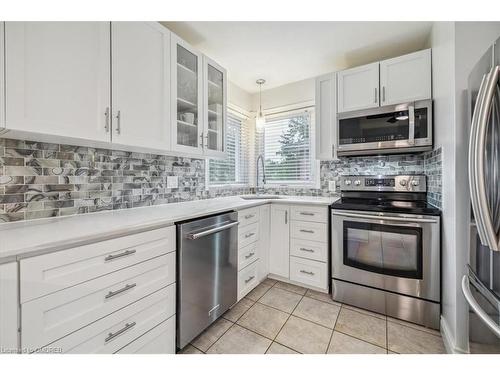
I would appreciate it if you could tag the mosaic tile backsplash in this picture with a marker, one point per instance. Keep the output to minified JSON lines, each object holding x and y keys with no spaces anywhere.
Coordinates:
{"x":40,"y":180}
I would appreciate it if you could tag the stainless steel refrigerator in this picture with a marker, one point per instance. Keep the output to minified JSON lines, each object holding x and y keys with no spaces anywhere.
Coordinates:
{"x":481,"y":283}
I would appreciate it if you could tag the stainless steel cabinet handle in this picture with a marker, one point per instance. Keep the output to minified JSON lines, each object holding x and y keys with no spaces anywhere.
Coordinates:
{"x":249,"y":216}
{"x":307,"y":213}
{"x":286,"y":217}
{"x":249,"y":255}
{"x":411,"y":125}
{"x":308,"y":250}
{"x":248,"y":235}
{"x":194,"y":236}
{"x":118,"y":122}
{"x":117,"y":256}
{"x":307,"y":272}
{"x":307,"y":231}
{"x":106,"y":124}
{"x":376,"y":96}
{"x":202,"y":144}
{"x":111,"y":336}
{"x":119,"y":291}
{"x":483,"y":315}
{"x":249,"y":279}
{"x":383,"y":94}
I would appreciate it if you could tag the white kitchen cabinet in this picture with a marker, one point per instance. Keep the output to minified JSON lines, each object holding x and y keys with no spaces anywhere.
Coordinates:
{"x":326,"y":116}
{"x":264,"y":240}
{"x":186,"y":97}
{"x":358,"y":88}
{"x":279,"y":255}
{"x":141,"y":84}
{"x":9,"y":308}
{"x":214,"y":108}
{"x":2,"y":79}
{"x":58,"y":78}
{"x":406,"y":78}
{"x":159,"y":340}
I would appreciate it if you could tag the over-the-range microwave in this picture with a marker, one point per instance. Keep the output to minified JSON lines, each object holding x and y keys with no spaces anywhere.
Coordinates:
{"x":386,"y":130}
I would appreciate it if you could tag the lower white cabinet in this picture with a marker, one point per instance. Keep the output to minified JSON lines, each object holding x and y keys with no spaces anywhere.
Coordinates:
{"x":279,"y":254}
{"x":8,"y":308}
{"x":113,"y":332}
{"x":308,"y":272}
{"x":159,"y":340}
{"x":248,"y":278}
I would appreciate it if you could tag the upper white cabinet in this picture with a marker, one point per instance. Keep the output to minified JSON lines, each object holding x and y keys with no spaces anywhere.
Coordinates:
{"x":406,"y":78}
{"x":402,"y":79}
{"x":141,"y":84}
{"x":2,"y":77}
{"x":279,"y":254}
{"x":326,"y":116}
{"x":358,"y":88}
{"x":187,"y":103}
{"x":57,"y":78}
{"x":214,"y":107}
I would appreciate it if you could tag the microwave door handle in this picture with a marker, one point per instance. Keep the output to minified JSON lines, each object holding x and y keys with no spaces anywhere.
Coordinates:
{"x":411,"y":125}
{"x":482,"y":204}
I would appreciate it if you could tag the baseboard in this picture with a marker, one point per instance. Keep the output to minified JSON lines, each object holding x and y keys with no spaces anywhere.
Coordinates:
{"x":449,"y":340}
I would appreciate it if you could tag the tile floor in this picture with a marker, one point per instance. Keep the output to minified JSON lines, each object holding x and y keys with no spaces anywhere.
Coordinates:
{"x":280,"y":318}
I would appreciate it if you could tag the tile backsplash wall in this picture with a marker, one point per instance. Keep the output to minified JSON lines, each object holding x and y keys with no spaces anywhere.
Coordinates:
{"x":40,"y":180}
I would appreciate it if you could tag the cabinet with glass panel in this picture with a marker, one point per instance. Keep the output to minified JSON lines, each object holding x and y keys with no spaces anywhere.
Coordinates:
{"x":198,"y":102}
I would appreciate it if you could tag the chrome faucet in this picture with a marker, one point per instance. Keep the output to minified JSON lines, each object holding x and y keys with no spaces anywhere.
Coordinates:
{"x":261,"y":158}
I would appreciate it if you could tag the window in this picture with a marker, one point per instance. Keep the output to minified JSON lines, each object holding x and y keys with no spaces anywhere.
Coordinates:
{"x":234,"y":168}
{"x":287,"y":145}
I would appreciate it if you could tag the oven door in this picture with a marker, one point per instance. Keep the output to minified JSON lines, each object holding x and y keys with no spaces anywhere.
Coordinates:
{"x":385,"y":129}
{"x":394,"y":252}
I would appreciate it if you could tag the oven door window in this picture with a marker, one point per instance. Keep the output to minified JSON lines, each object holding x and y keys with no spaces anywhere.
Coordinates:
{"x":386,"y":249}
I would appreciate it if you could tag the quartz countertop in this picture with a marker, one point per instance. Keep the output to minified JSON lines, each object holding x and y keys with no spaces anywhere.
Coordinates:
{"x":30,"y":238}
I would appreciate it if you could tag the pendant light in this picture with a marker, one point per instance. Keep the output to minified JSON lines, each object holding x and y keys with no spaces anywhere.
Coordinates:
{"x":260,"y":120}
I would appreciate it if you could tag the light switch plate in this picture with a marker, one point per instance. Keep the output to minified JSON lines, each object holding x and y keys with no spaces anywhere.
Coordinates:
{"x":172,"y":182}
{"x":332,"y":185}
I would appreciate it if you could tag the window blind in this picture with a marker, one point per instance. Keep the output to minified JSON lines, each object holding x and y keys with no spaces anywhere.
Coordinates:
{"x":234,"y":168}
{"x":288,"y":149}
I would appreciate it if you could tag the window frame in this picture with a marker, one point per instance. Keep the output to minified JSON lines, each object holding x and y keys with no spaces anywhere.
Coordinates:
{"x":315,"y":182}
{"x":244,"y":118}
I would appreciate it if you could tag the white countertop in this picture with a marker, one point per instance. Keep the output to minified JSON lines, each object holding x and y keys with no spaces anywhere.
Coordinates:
{"x":29,"y":238}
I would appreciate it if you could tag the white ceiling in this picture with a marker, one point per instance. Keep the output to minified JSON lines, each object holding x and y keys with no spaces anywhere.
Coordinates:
{"x":284,"y":52}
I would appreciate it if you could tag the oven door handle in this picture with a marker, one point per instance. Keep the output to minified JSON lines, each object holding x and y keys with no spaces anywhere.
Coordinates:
{"x":388,"y":218}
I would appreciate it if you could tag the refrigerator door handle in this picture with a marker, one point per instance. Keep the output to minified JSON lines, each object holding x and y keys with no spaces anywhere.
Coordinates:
{"x":477,"y":178}
{"x":483,"y":315}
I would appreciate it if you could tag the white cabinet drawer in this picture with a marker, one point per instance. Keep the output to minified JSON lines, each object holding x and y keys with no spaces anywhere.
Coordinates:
{"x":310,"y":213}
{"x":248,"y":278}
{"x":49,"y":273}
{"x":248,"y":234}
{"x":117,"y":330}
{"x":49,"y":318}
{"x":309,"y":249}
{"x":247,"y":255}
{"x":309,"y":272}
{"x":309,"y":231}
{"x":248,"y":216}
{"x":159,"y":340}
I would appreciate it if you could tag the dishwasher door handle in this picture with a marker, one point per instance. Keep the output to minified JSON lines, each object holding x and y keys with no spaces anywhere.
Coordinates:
{"x":203,"y":233}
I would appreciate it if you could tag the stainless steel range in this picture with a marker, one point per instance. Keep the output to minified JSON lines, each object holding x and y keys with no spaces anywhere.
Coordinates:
{"x":386,"y":248}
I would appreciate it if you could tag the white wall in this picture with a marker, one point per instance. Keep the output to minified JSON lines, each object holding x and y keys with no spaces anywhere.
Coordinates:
{"x":456,"y":49}
{"x":239,"y":97}
{"x":286,"y":95}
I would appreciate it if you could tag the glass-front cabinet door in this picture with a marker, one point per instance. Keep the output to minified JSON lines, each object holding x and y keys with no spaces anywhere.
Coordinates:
{"x":215,"y":103}
{"x":187,"y":113}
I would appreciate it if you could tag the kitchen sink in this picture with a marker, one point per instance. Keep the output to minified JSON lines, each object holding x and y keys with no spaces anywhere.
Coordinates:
{"x":252,"y":197}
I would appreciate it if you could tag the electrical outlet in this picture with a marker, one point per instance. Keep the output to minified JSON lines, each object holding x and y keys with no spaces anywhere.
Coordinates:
{"x":332,"y":185}
{"x":172,"y":182}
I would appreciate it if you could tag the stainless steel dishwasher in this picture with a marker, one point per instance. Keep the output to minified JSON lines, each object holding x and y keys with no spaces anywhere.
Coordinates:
{"x":207,"y":271}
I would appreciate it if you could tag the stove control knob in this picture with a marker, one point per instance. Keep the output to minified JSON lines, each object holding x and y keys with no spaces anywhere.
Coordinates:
{"x":348,"y":182}
{"x":402,"y":182}
{"x":357,"y":182}
{"x":415,"y":183}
